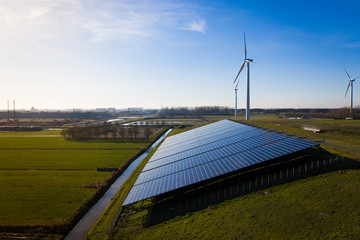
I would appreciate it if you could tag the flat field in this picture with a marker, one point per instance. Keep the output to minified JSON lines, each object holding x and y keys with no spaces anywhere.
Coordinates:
{"x":63,"y":159}
{"x":48,"y":143}
{"x":45,"y":179}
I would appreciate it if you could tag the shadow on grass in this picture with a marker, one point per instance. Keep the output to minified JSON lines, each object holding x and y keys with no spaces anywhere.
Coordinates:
{"x":349,"y":163}
{"x":202,"y":197}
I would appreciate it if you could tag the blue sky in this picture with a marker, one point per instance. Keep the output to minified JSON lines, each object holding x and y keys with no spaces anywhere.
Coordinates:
{"x":157,"y":53}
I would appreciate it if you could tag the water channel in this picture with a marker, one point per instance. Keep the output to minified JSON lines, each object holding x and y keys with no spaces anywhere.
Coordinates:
{"x":85,"y":223}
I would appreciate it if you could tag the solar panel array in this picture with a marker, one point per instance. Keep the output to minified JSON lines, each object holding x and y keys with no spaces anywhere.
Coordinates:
{"x":207,"y":152}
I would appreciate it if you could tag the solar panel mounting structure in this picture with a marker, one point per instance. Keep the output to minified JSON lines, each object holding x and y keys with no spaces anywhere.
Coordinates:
{"x":208,"y":152}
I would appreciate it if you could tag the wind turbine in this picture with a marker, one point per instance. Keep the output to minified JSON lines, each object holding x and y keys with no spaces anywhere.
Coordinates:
{"x":236,"y":89}
{"x":247,"y":61}
{"x":351,"y":80}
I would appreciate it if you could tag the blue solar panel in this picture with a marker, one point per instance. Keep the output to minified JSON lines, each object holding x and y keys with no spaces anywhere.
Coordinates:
{"x":197,"y":138}
{"x":203,"y":146}
{"x":207,"y":152}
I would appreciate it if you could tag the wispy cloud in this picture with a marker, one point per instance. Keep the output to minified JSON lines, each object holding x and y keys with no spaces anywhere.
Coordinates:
{"x":95,"y":20}
{"x":197,"y":26}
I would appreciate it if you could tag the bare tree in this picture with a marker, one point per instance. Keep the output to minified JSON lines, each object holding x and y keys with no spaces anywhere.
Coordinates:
{"x":122,"y":132}
{"x":114,"y":132}
{"x":147,"y":132}
{"x":130,"y":132}
{"x":136,"y":132}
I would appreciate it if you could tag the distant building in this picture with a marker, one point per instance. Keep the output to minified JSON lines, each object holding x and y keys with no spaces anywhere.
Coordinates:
{"x":101,"y":110}
{"x":135,"y":109}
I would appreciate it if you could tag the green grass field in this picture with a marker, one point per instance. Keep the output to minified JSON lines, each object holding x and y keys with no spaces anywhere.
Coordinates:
{"x":50,"y":178}
{"x":44,"y":179}
{"x":63,"y":159}
{"x":325,"y":206}
{"x":321,"y":207}
{"x":30,"y":133}
{"x":40,"y":205}
{"x":44,"y":142}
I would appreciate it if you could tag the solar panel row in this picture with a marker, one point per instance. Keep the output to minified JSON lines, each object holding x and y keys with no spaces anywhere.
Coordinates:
{"x":198,"y":131}
{"x":212,"y":146}
{"x":201,"y":142}
{"x":213,"y":155}
{"x":201,"y":133}
{"x":172,"y":164}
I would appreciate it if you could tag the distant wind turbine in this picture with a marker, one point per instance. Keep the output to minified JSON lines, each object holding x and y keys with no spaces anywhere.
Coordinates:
{"x":236,"y":89}
{"x":247,"y":61}
{"x":351,"y":80}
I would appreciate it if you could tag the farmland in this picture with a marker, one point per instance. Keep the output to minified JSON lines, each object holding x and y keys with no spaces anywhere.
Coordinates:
{"x":46,"y":180}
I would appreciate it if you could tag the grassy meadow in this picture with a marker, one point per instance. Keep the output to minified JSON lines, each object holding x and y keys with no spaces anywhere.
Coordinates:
{"x":325,"y":206}
{"x":320,"y":207}
{"x":44,"y":179}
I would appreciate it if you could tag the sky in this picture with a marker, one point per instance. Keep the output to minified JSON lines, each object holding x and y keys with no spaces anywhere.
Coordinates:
{"x":88,"y":54}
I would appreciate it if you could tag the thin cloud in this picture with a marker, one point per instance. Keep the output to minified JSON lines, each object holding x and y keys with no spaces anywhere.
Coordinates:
{"x":96,"y":20}
{"x":197,"y":26}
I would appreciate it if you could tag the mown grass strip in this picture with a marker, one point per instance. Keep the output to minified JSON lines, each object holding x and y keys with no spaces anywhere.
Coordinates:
{"x":46,"y":178}
{"x":63,"y":159}
{"x":40,"y":206}
{"x":30,"y":133}
{"x":60,"y":143}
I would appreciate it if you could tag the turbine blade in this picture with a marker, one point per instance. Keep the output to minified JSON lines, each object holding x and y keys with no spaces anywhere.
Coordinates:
{"x":245,"y":45}
{"x":237,"y":84}
{"x":356,"y":78}
{"x":347,"y":74}
{"x":347,"y":89}
{"x":242,"y":66}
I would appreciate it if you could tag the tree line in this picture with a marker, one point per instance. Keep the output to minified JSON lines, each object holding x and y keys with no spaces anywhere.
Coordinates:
{"x":340,"y":113}
{"x":106,"y":131}
{"x":287,"y":112}
{"x":195,"y":112}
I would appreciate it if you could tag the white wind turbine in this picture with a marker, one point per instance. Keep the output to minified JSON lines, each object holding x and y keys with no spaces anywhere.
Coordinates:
{"x":351,"y":80}
{"x":247,"y":61}
{"x":236,"y":89}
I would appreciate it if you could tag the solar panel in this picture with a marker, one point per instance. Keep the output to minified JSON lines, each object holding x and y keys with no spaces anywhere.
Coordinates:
{"x":207,"y":152}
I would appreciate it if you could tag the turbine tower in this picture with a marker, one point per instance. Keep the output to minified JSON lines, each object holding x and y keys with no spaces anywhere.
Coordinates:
{"x":247,"y":61}
{"x":351,"y":80}
{"x":236,"y":89}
